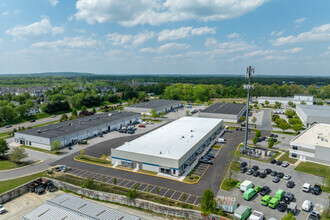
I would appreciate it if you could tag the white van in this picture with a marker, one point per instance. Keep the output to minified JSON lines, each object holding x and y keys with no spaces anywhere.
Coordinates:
{"x":306,"y":187}
{"x":306,"y":206}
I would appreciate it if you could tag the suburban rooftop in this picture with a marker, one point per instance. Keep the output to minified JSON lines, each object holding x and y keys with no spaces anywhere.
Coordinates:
{"x":225,"y":108}
{"x":318,"y":134}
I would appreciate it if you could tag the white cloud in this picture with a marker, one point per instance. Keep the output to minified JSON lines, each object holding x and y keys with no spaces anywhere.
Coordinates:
{"x":300,"y":20}
{"x":320,"y":33}
{"x":129,"y":40}
{"x":5,"y":13}
{"x":293,"y":50}
{"x":202,"y":31}
{"x":174,"y":34}
{"x":1,"y":40}
{"x":211,"y":42}
{"x":229,"y":46}
{"x":232,"y":35}
{"x":67,"y":43}
{"x":258,"y":53}
{"x":130,"y":13}
{"x":53,"y":2}
{"x":277,"y":33}
{"x":165,"y":48}
{"x":39,"y":28}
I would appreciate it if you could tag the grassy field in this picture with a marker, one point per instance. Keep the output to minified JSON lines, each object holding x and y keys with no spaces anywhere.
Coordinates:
{"x":41,"y":150}
{"x":6,"y":165}
{"x":89,"y":159}
{"x":11,"y":184}
{"x":313,"y":168}
{"x":229,"y":184}
{"x":285,"y":157}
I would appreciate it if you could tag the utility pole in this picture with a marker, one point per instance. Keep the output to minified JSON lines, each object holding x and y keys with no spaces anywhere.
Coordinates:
{"x":249,"y":75}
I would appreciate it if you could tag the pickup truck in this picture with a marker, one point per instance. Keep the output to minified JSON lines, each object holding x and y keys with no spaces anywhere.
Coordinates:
{"x":316,"y":190}
{"x":36,"y":187}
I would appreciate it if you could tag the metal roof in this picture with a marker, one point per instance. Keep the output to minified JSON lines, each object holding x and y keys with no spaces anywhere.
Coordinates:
{"x":71,"y":207}
{"x":155,"y":104}
{"x":315,"y":110}
{"x":71,"y":126}
{"x":225,"y":108}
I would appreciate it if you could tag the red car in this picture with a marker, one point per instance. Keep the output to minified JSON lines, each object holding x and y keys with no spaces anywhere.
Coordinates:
{"x":142,"y":126}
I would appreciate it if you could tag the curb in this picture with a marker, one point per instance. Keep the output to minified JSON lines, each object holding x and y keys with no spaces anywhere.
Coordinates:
{"x":30,"y":165}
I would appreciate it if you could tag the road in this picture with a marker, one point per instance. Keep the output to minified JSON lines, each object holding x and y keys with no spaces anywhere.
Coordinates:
{"x":266,"y":124}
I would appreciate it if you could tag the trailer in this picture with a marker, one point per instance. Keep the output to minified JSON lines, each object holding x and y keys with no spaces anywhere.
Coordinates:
{"x":242,"y":212}
{"x":226,"y":203}
{"x":247,"y":184}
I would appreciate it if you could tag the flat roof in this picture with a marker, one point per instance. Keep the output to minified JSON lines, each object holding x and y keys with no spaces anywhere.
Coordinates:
{"x":71,"y":207}
{"x":70,"y":126}
{"x":155,"y":104}
{"x":318,"y":134}
{"x":225,"y":108}
{"x":315,"y":110}
{"x":276,"y":98}
{"x":173,"y":140}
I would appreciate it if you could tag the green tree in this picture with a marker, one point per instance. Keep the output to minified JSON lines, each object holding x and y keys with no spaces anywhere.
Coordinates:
{"x":83,"y":108}
{"x":22,"y":110}
{"x":7,"y":113}
{"x":294,"y":121}
{"x":277,"y":105}
{"x":187,"y":113}
{"x":3,"y":147}
{"x":243,"y":118}
{"x":289,"y":216}
{"x":279,"y":121}
{"x":290,"y":103}
{"x":104,"y":156}
{"x":114,"y":180}
{"x":297,"y":127}
{"x":55,"y":145}
{"x":74,"y":112}
{"x":17,"y":154}
{"x":290,"y":113}
{"x":266,"y":102}
{"x":302,"y":103}
{"x":255,"y":140}
{"x":284,"y":126}
{"x":207,"y":202}
{"x":275,"y":117}
{"x":254,"y":119}
{"x":94,"y":110}
{"x":153,"y":113}
{"x":258,"y":133}
{"x":271,"y":142}
{"x":64,"y":117}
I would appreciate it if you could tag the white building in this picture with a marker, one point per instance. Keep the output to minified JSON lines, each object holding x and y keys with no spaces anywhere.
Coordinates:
{"x":171,"y":148}
{"x":313,"y":144}
{"x":71,"y":131}
{"x":316,"y":113}
{"x":296,"y":99}
{"x":159,"y":105}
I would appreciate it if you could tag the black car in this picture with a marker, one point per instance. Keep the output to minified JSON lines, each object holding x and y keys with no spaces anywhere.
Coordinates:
{"x":57,"y":169}
{"x":272,"y":161}
{"x":32,"y":120}
{"x":205,"y":160}
{"x":288,"y":197}
{"x":255,"y":168}
{"x":209,"y":156}
{"x":243,"y":169}
{"x":262,"y":175}
{"x":267,"y":171}
{"x":290,"y":184}
{"x":249,"y":172}
{"x":259,"y":140}
{"x":243,"y":164}
{"x":280,"y":174}
{"x":256,"y":173}
{"x":273,"y":173}
{"x":264,"y":190}
{"x":275,"y":140}
{"x":271,"y":135}
{"x":316,"y":190}
{"x":282,"y":207}
{"x":263,"y":138}
{"x":279,"y":163}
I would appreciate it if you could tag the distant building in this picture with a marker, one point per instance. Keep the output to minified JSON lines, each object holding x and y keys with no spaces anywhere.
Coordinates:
{"x":170,"y":148}
{"x":231,"y":112}
{"x":15,"y":103}
{"x":159,"y":105}
{"x":33,"y":111}
{"x":316,"y":113}
{"x":313,"y":144}
{"x":296,"y":99}
{"x":69,"y":207}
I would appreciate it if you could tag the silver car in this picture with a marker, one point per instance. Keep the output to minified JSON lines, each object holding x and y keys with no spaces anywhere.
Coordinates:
{"x":287,"y":177}
{"x":285,"y":164}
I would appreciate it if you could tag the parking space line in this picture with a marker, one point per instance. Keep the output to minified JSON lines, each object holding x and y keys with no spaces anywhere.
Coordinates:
{"x":79,"y":172}
{"x":133,"y":186}
{"x":195,"y":200}
{"x":171,"y":194}
{"x":187,"y":198}
{"x":151,"y":189}
{"x":166,"y":192}
{"x":126,"y":184}
{"x":180,"y":196}
{"x":145,"y":188}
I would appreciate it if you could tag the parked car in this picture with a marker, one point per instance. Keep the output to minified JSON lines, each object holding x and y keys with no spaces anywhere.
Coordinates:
{"x":276,"y":179}
{"x":267,"y":171}
{"x":314,"y":215}
{"x":205,"y":160}
{"x":285,"y":164}
{"x":243,"y":169}
{"x":32,"y":121}
{"x":288,"y":197}
{"x":290,"y":184}
{"x":273,"y":173}
{"x":316,"y":190}
{"x":272,"y":161}
{"x":2,"y":209}
{"x":8,"y":126}
{"x":254,"y":168}
{"x":282,"y":207}
{"x":259,"y":140}
{"x":279,"y":163}
{"x":264,"y":190}
{"x":263,"y":138}
{"x":306,"y":187}
{"x":273,"y":203}
{"x":306,"y":206}
{"x":122,"y":130}
{"x":243,"y":164}
{"x":265,"y":200}
{"x":210,"y":156}
{"x":257,"y":188}
{"x":256,"y":173}
{"x":280,"y":175}
{"x":130,"y":131}
{"x":141,"y":126}
{"x":249,"y":172}
{"x":287,"y":177}
{"x":64,"y":168}
{"x":262,"y":175}
{"x":53,"y":116}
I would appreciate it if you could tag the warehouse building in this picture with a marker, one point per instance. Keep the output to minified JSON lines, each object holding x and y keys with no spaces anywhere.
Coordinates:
{"x":69,"y":132}
{"x":230,"y":112}
{"x":71,"y":207}
{"x":296,"y":99}
{"x":313,"y":144}
{"x":159,"y":105}
{"x":171,"y":148}
{"x":316,"y":113}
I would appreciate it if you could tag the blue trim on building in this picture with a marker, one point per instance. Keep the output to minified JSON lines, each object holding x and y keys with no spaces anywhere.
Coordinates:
{"x":151,"y":164}
{"x":121,"y":159}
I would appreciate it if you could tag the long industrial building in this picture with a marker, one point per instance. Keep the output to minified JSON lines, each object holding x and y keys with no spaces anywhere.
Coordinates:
{"x":159,"y":105}
{"x":170,"y":148}
{"x":296,"y":99}
{"x":69,"y":132}
{"x":313,"y":144}
{"x":229,"y":112}
{"x":315,"y":113}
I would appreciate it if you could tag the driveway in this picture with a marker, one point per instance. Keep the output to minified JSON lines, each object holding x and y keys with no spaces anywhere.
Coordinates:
{"x":266,"y":124}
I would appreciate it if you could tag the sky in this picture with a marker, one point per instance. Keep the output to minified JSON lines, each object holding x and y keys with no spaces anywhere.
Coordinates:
{"x":277,"y":37}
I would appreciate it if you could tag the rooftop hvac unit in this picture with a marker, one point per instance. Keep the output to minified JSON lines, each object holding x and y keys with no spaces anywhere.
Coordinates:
{"x":38,"y":131}
{"x":70,"y":124}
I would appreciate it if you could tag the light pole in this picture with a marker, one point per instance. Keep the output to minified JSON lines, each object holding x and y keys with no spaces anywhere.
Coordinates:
{"x":249,"y":75}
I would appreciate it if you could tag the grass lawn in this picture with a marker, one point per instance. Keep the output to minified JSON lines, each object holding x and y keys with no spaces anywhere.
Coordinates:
{"x":191,"y":178}
{"x":11,"y":184}
{"x":313,"y":168}
{"x":235,"y":166}
{"x":6,"y":165}
{"x":229,"y":184}
{"x":89,"y":159}
{"x":325,"y":216}
{"x":151,"y":120}
{"x":285,"y":132}
{"x":216,"y":146}
{"x":285,"y":157}
{"x":41,"y":150}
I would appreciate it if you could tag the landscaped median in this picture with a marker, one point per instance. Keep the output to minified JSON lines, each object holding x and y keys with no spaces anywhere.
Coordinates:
{"x":93,"y":160}
{"x":228,"y":184}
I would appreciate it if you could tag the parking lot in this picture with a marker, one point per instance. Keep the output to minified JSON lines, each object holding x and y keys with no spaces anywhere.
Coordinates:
{"x":319,"y":201}
{"x":157,"y":190}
